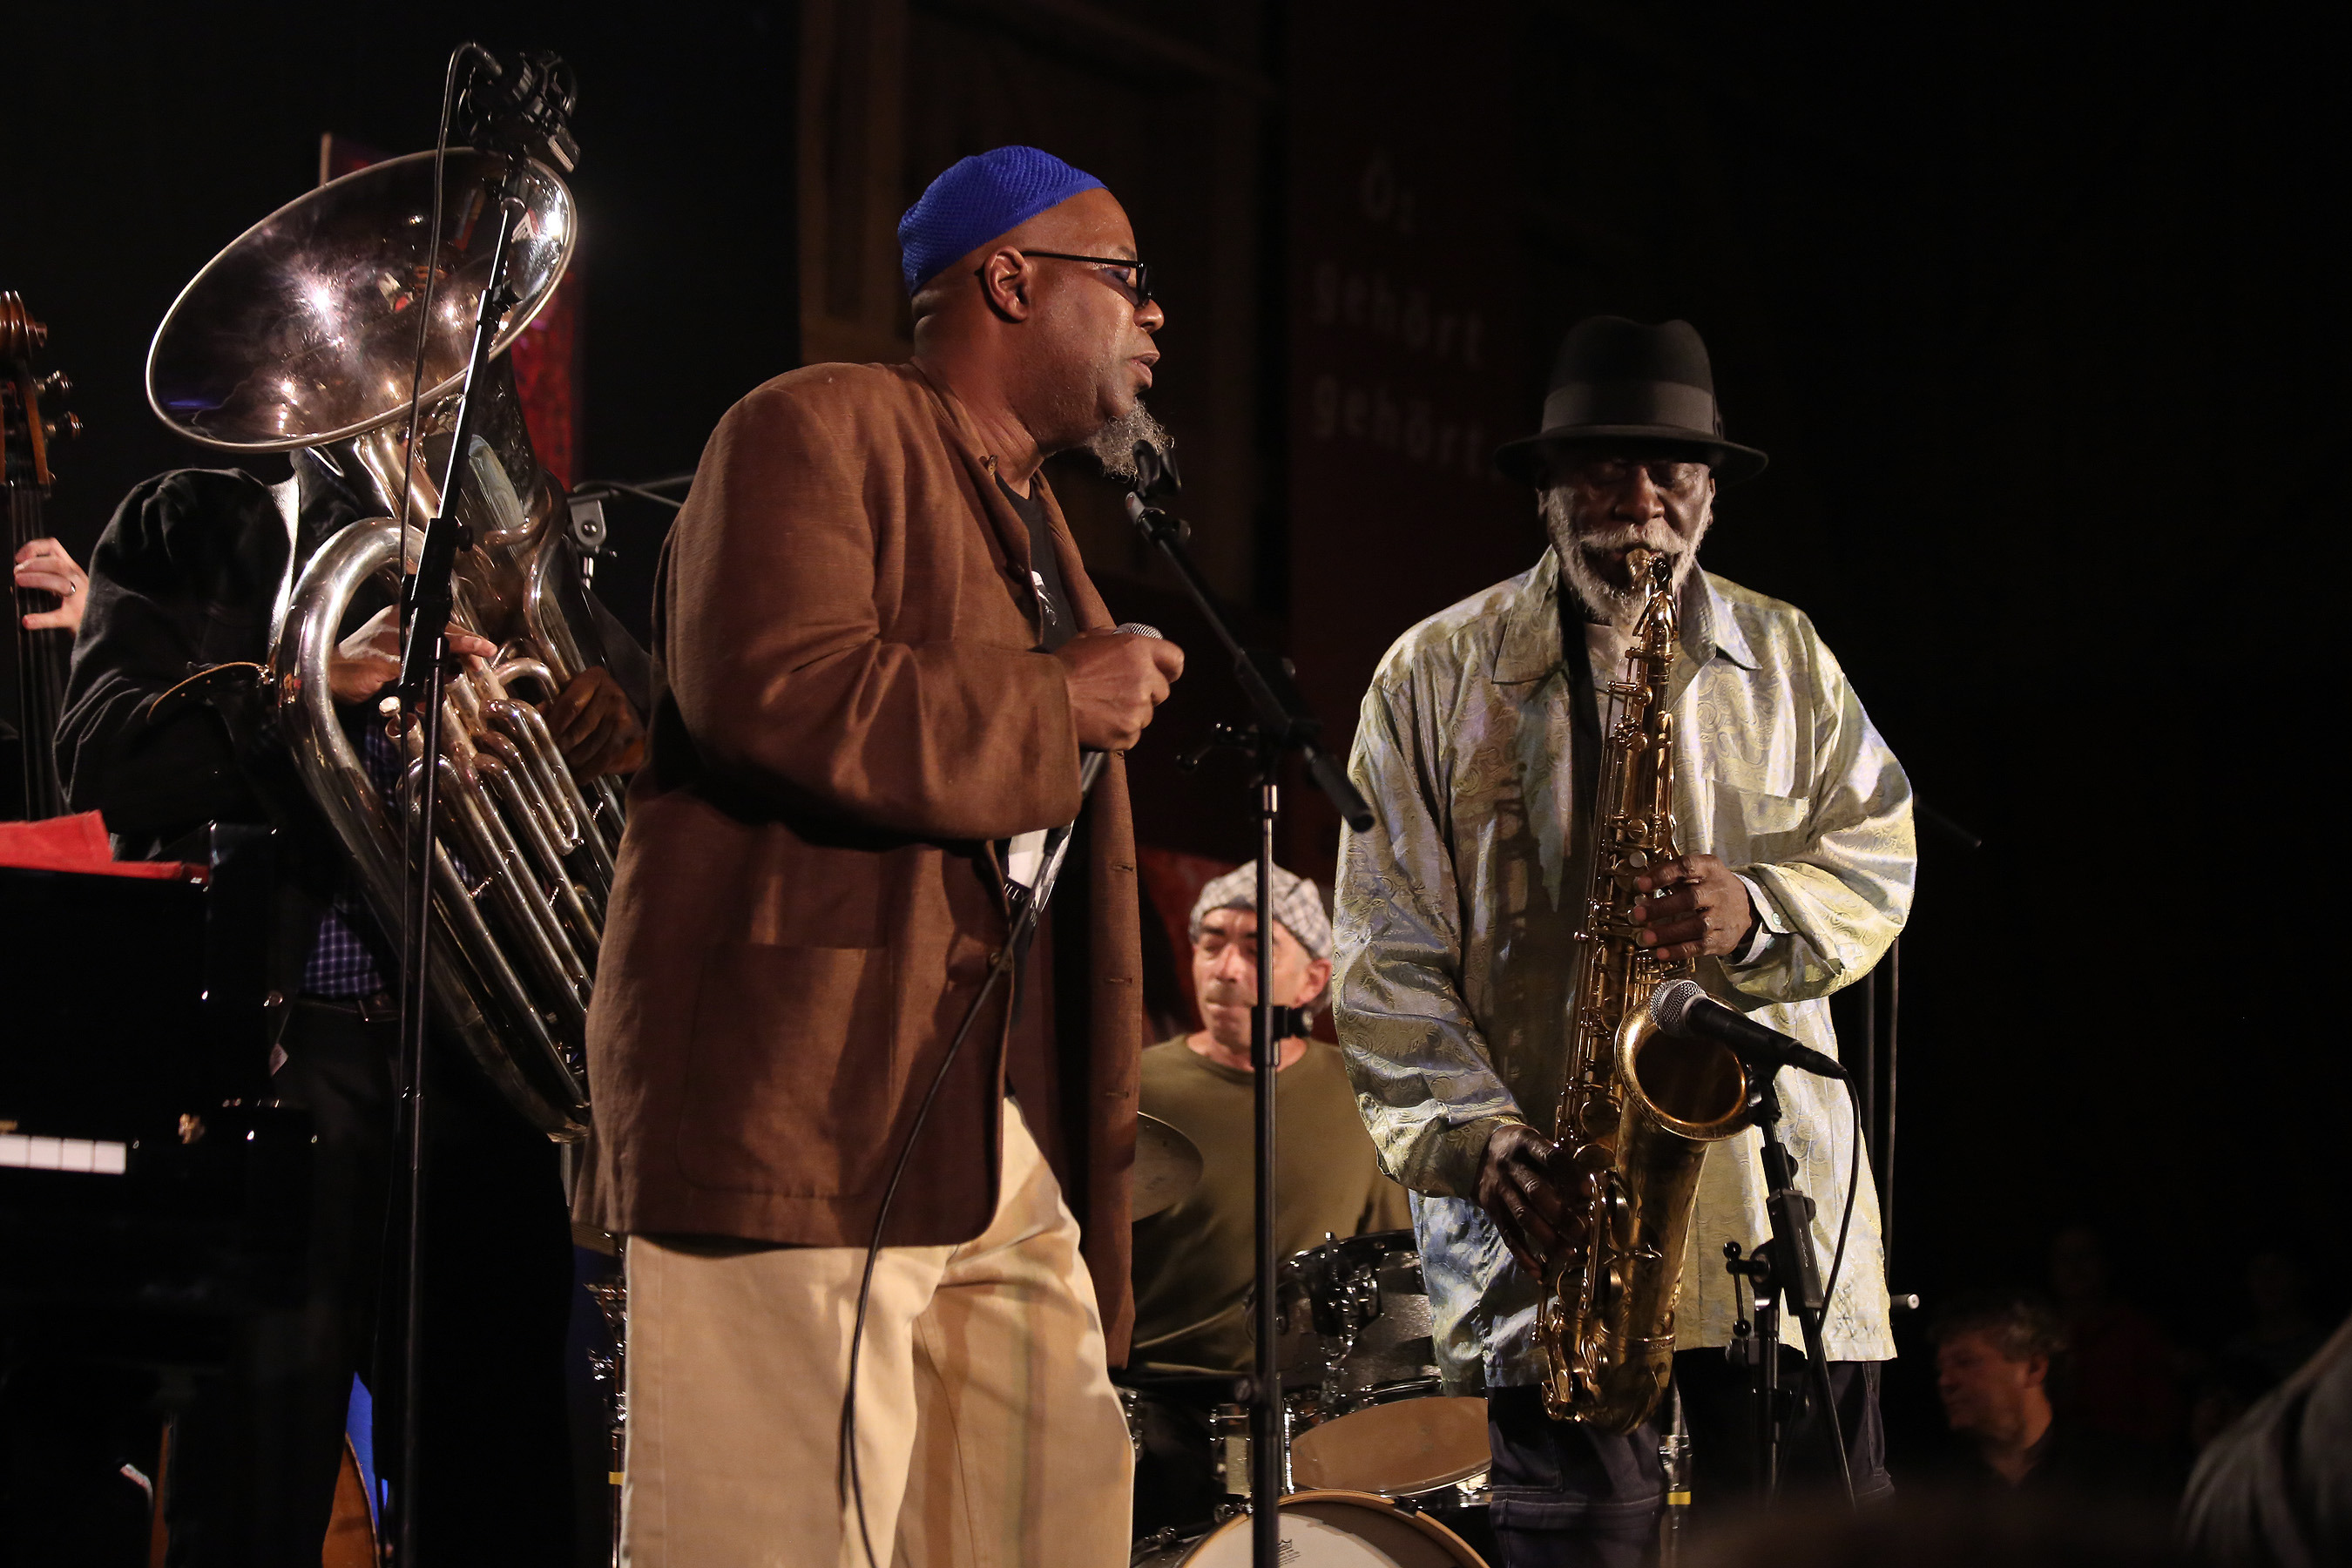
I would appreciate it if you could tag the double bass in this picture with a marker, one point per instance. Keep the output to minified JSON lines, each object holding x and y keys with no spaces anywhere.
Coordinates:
{"x":32,"y":420}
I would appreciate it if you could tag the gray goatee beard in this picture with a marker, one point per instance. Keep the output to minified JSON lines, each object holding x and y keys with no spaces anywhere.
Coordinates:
{"x":1602,"y":600}
{"x":1113,"y":446}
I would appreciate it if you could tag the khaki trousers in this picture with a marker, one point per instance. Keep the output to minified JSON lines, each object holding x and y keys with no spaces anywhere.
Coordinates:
{"x":988,"y":1431}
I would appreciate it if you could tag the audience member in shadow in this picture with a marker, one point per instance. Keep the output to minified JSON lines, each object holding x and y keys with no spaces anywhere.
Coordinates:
{"x":2275,"y":1489}
{"x":1993,"y":1356}
{"x":2280,"y":1336}
{"x":2123,"y":1375}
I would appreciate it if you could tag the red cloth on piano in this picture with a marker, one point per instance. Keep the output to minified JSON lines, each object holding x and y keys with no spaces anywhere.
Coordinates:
{"x":80,"y":844}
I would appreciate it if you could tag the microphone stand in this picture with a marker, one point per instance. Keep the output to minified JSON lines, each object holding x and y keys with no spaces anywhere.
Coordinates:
{"x":1283,"y":724}
{"x":426,"y":601}
{"x":1784,"y":1269}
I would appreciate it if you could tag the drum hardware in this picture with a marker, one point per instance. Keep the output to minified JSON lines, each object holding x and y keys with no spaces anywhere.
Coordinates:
{"x":1364,"y":1409}
{"x":1675,"y":1467}
{"x":610,"y":1368}
{"x":1131,"y":1405}
{"x":1229,"y":1426}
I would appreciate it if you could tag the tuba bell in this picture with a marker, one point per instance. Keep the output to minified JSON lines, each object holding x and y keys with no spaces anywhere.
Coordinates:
{"x":303,"y":333}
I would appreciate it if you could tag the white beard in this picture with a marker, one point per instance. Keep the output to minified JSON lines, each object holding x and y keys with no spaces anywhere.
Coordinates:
{"x":1602,"y":600}
{"x":1113,"y":446}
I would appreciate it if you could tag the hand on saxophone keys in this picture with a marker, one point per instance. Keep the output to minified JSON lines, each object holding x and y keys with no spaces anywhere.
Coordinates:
{"x":1524,"y":1183}
{"x":1705,"y":914}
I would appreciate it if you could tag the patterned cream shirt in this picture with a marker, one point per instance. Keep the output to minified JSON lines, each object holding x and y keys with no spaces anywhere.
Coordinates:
{"x":1455,"y":953}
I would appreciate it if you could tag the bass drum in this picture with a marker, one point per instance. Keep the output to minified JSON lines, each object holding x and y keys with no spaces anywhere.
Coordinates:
{"x":1325,"y":1529}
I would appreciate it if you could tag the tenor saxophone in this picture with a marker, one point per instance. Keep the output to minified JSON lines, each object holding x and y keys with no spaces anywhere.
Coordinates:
{"x":1638,"y":1107}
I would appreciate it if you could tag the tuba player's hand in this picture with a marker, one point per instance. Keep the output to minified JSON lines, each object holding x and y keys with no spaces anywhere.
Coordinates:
{"x":592,"y":721}
{"x":368,"y":660}
{"x":1523,"y":1186}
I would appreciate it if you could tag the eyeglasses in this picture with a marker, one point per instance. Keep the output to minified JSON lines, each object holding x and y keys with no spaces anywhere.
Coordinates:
{"x":1139,"y":285}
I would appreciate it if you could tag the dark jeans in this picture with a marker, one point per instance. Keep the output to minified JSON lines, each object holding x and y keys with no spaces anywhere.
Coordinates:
{"x":1567,"y":1496}
{"x":258,"y":1455}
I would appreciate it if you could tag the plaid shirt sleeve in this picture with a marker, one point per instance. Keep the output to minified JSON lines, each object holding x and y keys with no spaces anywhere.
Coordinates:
{"x":350,"y":956}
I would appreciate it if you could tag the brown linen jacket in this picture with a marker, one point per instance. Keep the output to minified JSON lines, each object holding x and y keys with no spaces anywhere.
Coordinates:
{"x":848,"y":712}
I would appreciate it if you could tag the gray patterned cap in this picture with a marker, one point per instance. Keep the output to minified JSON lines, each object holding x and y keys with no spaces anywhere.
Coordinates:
{"x":1298,"y":904}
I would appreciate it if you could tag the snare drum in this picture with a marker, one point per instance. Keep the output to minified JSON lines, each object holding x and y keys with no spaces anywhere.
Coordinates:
{"x":1323,"y":1530}
{"x":1360,"y":1377}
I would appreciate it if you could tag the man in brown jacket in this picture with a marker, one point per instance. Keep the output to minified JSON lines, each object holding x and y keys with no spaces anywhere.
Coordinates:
{"x":880,"y":659}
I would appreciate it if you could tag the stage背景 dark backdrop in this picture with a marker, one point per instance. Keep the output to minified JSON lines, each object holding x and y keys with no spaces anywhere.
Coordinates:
{"x":2028,"y":305}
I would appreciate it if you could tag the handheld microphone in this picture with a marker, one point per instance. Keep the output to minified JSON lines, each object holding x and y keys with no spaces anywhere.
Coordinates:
{"x":1681,"y":1007}
{"x":1137,"y":629}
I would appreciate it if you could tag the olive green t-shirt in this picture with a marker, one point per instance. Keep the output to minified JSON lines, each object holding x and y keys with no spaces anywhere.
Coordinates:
{"x":1193,"y":1259}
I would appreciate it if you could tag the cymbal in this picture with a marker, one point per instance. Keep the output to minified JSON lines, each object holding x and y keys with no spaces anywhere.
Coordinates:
{"x":1167,"y":1165}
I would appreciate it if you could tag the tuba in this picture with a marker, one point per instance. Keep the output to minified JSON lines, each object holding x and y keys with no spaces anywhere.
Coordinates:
{"x":303,"y":333}
{"x":1639,"y":1107}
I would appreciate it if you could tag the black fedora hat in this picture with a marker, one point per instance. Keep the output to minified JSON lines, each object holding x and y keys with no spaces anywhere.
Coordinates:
{"x":1617,"y":380}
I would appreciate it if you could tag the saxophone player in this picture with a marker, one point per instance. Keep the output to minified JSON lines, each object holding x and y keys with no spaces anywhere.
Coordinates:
{"x":1457,"y":914}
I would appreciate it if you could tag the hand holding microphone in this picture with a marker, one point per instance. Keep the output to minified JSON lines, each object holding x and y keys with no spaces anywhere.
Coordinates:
{"x":1116,"y":678}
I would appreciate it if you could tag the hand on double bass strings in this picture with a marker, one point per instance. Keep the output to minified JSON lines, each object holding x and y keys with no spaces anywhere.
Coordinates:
{"x":368,"y":660}
{"x":1116,"y":678}
{"x":1708,"y":913}
{"x":592,"y":719}
{"x":1524,"y":1180}
{"x":43,"y":564}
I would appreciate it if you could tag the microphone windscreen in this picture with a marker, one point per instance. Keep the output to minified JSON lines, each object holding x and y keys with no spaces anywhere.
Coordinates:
{"x":1137,"y":629}
{"x":1670,"y":1004}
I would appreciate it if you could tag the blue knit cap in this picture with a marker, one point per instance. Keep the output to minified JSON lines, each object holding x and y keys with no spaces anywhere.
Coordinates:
{"x":977,"y":199}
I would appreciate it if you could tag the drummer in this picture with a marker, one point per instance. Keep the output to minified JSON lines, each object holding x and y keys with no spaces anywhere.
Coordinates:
{"x":1193,"y":1260}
